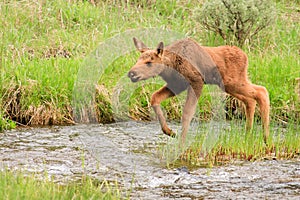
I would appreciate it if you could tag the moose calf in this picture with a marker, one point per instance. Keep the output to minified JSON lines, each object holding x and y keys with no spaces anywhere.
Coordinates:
{"x":185,"y":65}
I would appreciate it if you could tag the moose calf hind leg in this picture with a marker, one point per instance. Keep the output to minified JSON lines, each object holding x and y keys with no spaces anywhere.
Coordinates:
{"x":263,"y":101}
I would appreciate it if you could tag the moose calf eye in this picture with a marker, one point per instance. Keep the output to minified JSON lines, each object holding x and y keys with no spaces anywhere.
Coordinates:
{"x":148,"y":64}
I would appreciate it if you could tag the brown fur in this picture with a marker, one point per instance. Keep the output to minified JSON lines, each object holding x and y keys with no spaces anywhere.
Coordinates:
{"x":187,"y":65}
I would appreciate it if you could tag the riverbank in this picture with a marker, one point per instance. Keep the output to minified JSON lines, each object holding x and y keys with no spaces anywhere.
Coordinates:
{"x":45,"y":43}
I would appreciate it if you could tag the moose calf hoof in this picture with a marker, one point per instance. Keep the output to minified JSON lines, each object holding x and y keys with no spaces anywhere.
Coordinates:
{"x":169,"y":132}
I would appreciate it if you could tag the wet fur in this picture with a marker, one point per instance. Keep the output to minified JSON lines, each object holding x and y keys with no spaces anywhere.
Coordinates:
{"x":185,"y":65}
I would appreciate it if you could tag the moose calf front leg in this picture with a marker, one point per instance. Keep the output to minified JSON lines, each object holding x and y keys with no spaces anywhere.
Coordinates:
{"x":189,"y":110}
{"x":156,"y":99}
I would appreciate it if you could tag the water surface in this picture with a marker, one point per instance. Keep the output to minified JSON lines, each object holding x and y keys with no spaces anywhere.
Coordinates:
{"x":128,"y":152}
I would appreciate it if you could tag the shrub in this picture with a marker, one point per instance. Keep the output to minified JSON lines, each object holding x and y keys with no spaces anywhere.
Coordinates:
{"x":236,"y":20}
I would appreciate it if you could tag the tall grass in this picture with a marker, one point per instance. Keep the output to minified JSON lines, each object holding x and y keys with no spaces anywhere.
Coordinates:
{"x":44,"y":42}
{"x":229,"y":143}
{"x":20,"y":186}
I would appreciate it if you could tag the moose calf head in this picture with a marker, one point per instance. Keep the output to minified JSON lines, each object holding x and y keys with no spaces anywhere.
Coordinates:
{"x":149,"y":63}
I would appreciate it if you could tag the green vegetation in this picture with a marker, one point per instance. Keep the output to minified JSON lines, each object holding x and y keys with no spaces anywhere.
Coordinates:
{"x":6,"y":123}
{"x":239,"y":20}
{"x":234,"y":144}
{"x":43,"y":44}
{"x":20,"y":186}
{"x":220,"y":143}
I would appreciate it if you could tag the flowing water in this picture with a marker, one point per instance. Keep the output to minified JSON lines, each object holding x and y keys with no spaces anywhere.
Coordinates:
{"x":128,"y":152}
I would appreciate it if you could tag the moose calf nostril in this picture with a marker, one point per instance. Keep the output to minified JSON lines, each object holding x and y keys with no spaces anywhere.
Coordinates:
{"x":131,"y":74}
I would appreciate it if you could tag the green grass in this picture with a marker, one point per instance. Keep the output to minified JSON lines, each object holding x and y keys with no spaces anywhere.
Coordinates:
{"x":211,"y":146}
{"x":15,"y":185}
{"x":282,"y":87}
{"x":44,"y":44}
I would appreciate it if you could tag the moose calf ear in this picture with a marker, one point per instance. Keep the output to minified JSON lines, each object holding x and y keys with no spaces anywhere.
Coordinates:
{"x":140,"y":45}
{"x":160,"y":48}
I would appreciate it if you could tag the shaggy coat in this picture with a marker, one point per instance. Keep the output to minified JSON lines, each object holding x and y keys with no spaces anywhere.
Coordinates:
{"x":185,"y":65}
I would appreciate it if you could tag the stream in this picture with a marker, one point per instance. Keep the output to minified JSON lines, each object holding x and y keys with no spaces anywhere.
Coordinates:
{"x":128,"y":152}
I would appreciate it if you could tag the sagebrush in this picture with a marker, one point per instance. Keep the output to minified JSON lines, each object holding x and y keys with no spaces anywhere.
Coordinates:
{"x":236,"y":20}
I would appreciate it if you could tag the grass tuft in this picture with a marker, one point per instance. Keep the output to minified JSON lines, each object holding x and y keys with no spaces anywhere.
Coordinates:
{"x":19,"y":186}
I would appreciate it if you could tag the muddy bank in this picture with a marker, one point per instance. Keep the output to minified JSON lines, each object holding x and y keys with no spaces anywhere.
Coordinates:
{"x":128,"y":152}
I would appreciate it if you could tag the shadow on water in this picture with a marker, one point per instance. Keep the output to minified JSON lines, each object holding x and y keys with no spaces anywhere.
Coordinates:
{"x":128,"y":152}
